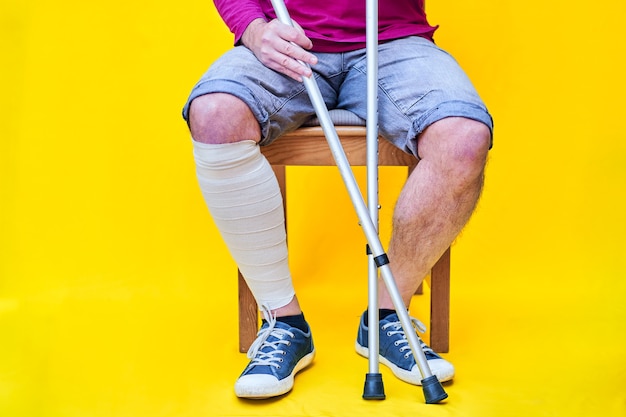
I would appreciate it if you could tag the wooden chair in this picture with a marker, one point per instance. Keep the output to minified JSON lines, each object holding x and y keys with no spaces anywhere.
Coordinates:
{"x":307,"y":146}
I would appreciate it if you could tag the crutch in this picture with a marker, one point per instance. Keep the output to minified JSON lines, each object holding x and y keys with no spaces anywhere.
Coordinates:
{"x":433,"y":391}
{"x":373,"y":388}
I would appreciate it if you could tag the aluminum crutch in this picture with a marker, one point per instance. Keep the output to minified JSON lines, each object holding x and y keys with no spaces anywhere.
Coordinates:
{"x":433,"y":391}
{"x":373,"y":388}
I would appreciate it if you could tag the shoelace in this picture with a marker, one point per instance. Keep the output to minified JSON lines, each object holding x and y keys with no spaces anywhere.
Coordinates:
{"x":403,"y":343}
{"x":273,"y":355}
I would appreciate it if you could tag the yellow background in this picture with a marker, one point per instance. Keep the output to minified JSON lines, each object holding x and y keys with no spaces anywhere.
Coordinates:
{"x":117,"y":297}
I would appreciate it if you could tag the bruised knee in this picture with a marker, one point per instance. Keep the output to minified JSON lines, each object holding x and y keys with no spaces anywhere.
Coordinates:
{"x":459,"y":146}
{"x":471,"y":145}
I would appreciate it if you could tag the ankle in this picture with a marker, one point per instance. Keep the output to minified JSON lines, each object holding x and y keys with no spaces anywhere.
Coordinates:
{"x":382,"y":313}
{"x":291,"y":309}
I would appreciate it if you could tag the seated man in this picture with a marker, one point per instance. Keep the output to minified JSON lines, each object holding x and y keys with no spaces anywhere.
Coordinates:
{"x":253,"y":94}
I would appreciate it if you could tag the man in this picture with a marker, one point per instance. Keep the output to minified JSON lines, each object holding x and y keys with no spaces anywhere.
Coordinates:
{"x":253,"y":94}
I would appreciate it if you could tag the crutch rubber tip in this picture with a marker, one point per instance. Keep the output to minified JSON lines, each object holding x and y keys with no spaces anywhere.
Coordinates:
{"x":374,"y":389}
{"x":433,"y":391}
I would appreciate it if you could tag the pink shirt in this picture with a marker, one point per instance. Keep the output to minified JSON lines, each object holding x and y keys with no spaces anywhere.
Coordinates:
{"x":333,"y":25}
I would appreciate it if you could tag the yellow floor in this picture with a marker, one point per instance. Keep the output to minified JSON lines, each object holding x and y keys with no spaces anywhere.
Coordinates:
{"x":155,"y":349}
{"x":118,"y":299}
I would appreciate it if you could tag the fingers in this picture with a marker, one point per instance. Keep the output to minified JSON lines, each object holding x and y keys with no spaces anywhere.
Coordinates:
{"x":282,"y":46}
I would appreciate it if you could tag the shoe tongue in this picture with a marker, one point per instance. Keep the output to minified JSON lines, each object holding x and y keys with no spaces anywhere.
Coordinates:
{"x":277,"y":333}
{"x":392,"y":317}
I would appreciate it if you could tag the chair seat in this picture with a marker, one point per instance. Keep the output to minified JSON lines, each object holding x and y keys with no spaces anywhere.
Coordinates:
{"x":339,"y":117}
{"x":307,"y":146}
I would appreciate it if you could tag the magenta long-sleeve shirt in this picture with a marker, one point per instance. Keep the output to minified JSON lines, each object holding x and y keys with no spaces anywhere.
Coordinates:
{"x":333,"y":25}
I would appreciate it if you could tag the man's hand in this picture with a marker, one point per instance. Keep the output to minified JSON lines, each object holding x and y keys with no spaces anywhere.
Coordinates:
{"x":279,"y":46}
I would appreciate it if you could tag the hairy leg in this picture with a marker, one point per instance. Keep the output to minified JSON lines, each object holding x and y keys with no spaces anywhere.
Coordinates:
{"x":436,"y":201}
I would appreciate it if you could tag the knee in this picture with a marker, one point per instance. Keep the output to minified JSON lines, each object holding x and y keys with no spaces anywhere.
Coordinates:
{"x":222,"y":118}
{"x":471,"y":146}
{"x":460,"y":146}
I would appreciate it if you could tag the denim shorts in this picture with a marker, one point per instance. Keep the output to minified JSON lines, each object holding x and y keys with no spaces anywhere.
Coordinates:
{"x":419,"y":84}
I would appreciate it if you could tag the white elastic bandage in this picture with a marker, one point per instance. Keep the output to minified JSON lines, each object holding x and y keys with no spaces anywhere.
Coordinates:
{"x":243,"y":196}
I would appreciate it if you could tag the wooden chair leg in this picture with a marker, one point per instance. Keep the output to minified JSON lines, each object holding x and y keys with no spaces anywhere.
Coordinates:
{"x":248,"y":315}
{"x":440,"y":304}
{"x":420,"y":289}
{"x":281,"y":177}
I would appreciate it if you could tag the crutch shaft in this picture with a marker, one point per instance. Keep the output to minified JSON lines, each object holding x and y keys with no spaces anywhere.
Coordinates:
{"x":371,"y":16}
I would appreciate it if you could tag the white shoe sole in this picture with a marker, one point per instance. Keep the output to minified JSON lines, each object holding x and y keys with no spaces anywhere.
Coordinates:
{"x":259,"y":386}
{"x":439,"y":367}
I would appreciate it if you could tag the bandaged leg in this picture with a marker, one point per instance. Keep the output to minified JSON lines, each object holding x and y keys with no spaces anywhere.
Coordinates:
{"x":243,"y":196}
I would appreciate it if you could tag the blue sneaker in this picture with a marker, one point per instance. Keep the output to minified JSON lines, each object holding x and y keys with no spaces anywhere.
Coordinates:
{"x":395,"y":352}
{"x":277,"y":354}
